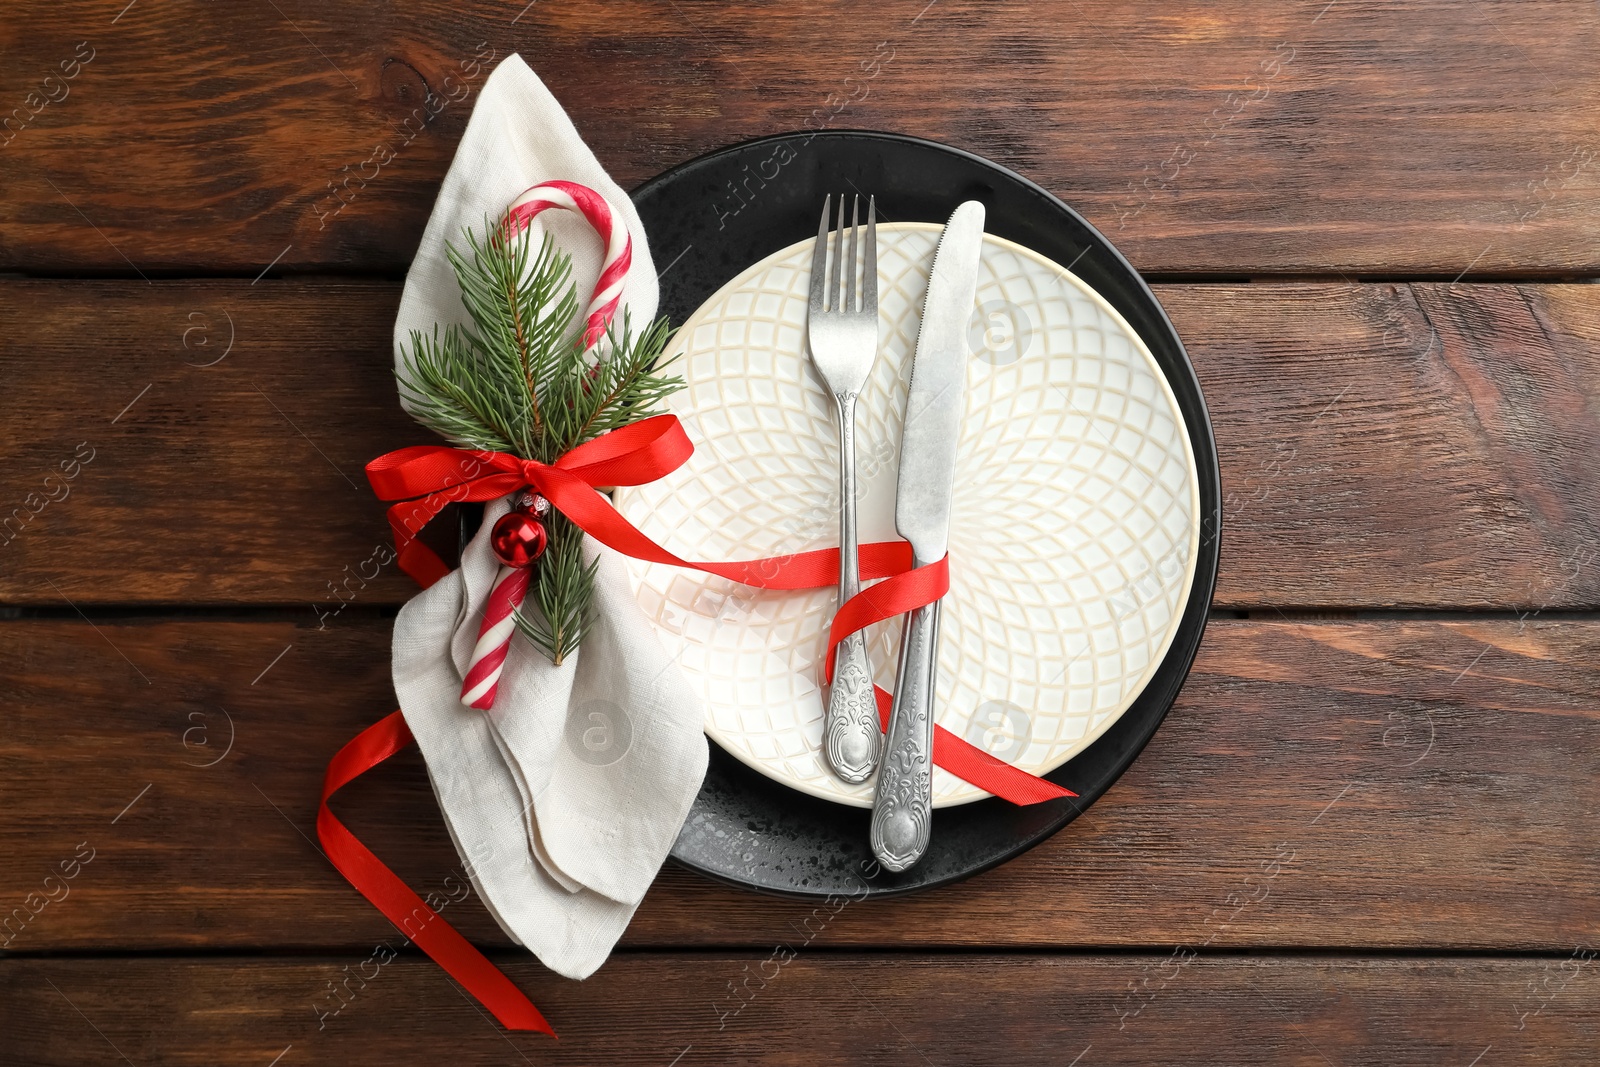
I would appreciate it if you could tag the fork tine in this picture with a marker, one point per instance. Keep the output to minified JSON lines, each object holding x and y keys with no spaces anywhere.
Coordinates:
{"x":819,"y":258}
{"x":833,"y":268}
{"x":869,"y":269}
{"x":849,"y":304}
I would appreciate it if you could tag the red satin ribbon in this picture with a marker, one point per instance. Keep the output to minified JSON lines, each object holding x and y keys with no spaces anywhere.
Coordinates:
{"x":896,"y":596}
{"x":395,"y":899}
{"x":425,"y":478}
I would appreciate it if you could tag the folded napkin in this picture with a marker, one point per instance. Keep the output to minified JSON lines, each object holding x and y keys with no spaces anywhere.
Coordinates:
{"x":565,"y":799}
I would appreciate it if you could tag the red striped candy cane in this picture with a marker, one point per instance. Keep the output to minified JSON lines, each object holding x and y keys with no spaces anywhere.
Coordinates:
{"x":478,"y":688}
{"x":488,"y":659}
{"x":619,"y":247}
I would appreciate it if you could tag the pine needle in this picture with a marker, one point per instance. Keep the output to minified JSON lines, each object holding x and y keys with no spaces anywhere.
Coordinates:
{"x":518,"y":380}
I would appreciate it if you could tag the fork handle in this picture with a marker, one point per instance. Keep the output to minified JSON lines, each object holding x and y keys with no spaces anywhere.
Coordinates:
{"x":851,"y":733}
{"x":902,"y":808}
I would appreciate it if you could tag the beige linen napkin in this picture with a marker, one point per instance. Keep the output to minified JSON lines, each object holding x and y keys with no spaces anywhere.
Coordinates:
{"x":565,"y":799}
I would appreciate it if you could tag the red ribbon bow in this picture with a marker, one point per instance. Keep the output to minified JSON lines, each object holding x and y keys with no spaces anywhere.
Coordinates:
{"x":425,"y":478}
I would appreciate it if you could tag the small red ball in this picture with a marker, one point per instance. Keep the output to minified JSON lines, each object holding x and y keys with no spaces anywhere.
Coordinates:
{"x":518,"y":539}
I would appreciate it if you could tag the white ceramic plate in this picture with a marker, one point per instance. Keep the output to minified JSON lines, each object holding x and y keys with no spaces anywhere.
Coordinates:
{"x":1074,"y":532}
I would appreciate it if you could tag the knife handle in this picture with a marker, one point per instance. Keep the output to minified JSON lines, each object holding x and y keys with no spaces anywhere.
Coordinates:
{"x":902,"y":808}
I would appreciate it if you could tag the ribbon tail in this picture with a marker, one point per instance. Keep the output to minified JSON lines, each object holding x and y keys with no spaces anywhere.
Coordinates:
{"x":410,"y":915}
{"x":972,"y":764}
{"x":421,"y":563}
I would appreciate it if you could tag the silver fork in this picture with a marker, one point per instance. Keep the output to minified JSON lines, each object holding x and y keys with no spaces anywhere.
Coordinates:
{"x":843,"y":338}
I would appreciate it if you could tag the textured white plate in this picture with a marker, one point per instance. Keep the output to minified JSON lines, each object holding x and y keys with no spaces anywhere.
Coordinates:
{"x":1073,"y":541}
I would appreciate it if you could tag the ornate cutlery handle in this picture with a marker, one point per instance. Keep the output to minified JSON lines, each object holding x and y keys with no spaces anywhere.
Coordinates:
{"x":850,"y":741}
{"x":902,"y":809}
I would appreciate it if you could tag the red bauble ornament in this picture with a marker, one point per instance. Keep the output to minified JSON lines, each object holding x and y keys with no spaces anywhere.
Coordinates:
{"x":518,"y":539}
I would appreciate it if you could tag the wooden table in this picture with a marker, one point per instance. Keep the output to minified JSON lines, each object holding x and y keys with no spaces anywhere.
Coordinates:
{"x":1365,"y":835}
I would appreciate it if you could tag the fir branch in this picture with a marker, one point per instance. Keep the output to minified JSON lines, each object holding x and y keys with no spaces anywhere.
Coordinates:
{"x":627,"y":385}
{"x":521,"y":309}
{"x":508,"y":282}
{"x":562,"y":589}
{"x":519,"y":380}
{"x":446,"y":392}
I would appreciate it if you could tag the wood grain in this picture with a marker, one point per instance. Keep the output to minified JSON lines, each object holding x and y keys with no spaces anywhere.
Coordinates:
{"x":1354,"y":785}
{"x":228,"y":425}
{"x":1361,"y":837}
{"x":815,"y":1008}
{"x":1361,"y":136}
{"x":1382,"y":445}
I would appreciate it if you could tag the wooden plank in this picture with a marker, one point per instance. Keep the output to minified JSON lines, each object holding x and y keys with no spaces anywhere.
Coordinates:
{"x":1432,"y":136}
{"x":807,"y":1007}
{"x":1394,"y":784}
{"x":226,"y":425}
{"x":1422,"y":445}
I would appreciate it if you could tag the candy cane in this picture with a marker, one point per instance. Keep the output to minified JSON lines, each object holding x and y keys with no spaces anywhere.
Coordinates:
{"x":478,"y":688}
{"x":619,"y":247}
{"x":482,"y":681}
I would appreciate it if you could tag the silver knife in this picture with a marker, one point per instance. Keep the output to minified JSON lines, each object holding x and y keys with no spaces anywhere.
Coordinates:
{"x":902,"y":808}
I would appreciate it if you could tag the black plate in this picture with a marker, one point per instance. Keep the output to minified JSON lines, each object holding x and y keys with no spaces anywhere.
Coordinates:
{"x":709,"y":219}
